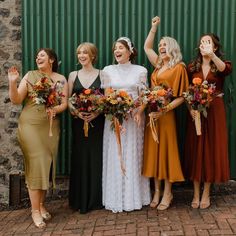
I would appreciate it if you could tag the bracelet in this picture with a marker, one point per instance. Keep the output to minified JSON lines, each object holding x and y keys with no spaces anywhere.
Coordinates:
{"x":153,"y":31}
{"x":168,"y":107}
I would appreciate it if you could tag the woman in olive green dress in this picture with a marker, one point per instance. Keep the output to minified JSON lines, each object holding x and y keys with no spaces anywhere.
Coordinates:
{"x":39,"y":149}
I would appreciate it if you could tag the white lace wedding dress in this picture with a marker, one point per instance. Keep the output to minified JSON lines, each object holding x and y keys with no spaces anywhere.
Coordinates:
{"x":131,"y":191}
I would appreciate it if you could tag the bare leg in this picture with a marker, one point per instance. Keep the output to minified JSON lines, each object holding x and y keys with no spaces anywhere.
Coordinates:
{"x":205,"y":200}
{"x":35,"y":197}
{"x":156,"y":196}
{"x":167,"y":196}
{"x":196,"y":195}
{"x":45,"y":214}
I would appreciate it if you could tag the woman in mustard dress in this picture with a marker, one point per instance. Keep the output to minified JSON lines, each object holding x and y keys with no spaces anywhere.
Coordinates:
{"x":161,"y":160}
{"x":39,"y":149}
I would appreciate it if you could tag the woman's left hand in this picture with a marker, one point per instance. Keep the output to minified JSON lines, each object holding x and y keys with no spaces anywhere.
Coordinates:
{"x":138,"y":118}
{"x":51,"y":112}
{"x":206,"y":49}
{"x":91,"y":116}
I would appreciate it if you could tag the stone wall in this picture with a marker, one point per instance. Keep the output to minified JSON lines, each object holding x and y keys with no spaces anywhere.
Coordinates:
{"x":11,"y":160}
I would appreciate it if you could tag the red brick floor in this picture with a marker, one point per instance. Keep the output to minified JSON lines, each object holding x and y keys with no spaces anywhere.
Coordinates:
{"x":179,"y":219}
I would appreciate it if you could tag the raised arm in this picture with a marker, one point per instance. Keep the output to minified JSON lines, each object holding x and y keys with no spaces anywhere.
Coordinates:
{"x":148,"y":45}
{"x":17,"y":95}
{"x":207,"y":49}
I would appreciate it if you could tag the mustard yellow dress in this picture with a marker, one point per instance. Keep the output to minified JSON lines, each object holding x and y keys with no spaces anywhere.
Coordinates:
{"x":161,"y":160}
{"x":38,"y":148}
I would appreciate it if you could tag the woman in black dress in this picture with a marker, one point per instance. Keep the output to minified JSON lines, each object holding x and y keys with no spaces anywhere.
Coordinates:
{"x":85,"y":192}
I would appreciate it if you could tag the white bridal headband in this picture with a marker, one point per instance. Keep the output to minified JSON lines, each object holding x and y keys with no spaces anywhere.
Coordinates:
{"x":127,"y":40}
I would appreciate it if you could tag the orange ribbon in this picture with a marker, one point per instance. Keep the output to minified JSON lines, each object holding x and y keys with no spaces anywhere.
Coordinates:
{"x":153,"y":125}
{"x":86,"y":127}
{"x":118,"y":140}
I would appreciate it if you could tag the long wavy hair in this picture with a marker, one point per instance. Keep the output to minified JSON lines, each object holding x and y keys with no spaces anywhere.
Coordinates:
{"x":195,"y":65}
{"x":173,"y":52}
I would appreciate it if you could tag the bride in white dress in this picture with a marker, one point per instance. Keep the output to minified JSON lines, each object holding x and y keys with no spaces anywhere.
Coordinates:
{"x":130,"y":191}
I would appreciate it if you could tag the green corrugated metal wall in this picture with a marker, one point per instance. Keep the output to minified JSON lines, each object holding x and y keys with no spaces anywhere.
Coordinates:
{"x":63,"y":24}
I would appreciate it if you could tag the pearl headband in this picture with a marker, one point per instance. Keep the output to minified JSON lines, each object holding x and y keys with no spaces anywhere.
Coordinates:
{"x":127,"y":40}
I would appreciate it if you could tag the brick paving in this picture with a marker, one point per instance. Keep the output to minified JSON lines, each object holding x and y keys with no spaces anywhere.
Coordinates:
{"x":179,"y":219}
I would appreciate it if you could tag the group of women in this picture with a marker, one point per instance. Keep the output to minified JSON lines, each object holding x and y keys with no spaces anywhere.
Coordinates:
{"x":96,"y":179}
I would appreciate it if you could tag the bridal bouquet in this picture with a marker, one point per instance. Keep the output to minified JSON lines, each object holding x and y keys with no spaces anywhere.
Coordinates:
{"x":46,"y":92}
{"x":117,"y":106}
{"x":198,"y":97}
{"x":87,"y":101}
{"x":156,"y":100}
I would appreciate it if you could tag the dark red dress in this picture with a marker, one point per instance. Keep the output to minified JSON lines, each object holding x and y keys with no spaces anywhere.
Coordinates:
{"x":206,"y":156}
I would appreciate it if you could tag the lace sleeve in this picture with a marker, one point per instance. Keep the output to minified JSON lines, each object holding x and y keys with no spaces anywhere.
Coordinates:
{"x":105,"y":79}
{"x":142,"y":83}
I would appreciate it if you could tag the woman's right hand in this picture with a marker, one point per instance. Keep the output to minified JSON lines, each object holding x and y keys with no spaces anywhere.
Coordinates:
{"x":156,"y":21}
{"x":83,"y":115}
{"x":13,"y":74}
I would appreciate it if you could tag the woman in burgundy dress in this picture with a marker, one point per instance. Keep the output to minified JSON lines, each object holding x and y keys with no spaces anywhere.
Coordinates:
{"x":206,"y":155}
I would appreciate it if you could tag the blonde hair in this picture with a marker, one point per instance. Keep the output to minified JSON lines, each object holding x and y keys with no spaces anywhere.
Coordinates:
{"x":173,"y":52}
{"x":92,"y":50}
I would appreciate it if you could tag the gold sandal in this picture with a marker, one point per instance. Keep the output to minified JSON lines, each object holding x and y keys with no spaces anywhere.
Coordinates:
{"x":195,"y":203}
{"x":38,"y":219}
{"x":153,"y":203}
{"x":45,"y":214}
{"x":205,"y":204}
{"x":165,"y":205}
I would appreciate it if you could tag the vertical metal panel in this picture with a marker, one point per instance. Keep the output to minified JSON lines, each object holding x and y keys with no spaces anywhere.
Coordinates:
{"x":63,"y":24}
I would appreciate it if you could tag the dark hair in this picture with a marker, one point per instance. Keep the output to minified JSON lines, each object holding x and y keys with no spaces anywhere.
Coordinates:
{"x":197,"y":62}
{"x":132,"y":55}
{"x":52,"y":55}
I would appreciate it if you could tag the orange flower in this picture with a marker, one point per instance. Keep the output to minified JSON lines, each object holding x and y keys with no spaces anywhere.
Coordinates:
{"x":161,"y":92}
{"x":87,"y":91}
{"x":109,"y":90}
{"x":122,"y":93}
{"x":197,"y":81}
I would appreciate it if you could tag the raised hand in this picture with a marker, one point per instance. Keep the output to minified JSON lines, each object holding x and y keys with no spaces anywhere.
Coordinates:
{"x":13,"y":74}
{"x":156,"y":21}
{"x":206,"y":48}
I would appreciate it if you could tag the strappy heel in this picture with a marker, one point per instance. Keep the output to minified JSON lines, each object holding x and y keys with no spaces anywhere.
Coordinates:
{"x":45,"y":214}
{"x":38,"y":219}
{"x":195,"y":203}
{"x":155,"y":202}
{"x":205,"y":204}
{"x":165,"y":205}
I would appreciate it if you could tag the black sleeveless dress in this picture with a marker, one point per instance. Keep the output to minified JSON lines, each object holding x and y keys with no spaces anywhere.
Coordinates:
{"x":85,"y":191}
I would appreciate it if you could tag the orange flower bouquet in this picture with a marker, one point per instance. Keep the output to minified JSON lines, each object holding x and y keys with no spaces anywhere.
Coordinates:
{"x":117,"y":106}
{"x":198,"y":97}
{"x":87,"y":101}
{"x":46,"y":92}
{"x":156,"y":100}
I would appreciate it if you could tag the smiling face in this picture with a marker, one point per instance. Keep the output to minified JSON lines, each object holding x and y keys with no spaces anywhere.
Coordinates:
{"x":121,"y":53}
{"x":162,"y":49}
{"x":43,"y":61}
{"x":84,"y":56}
